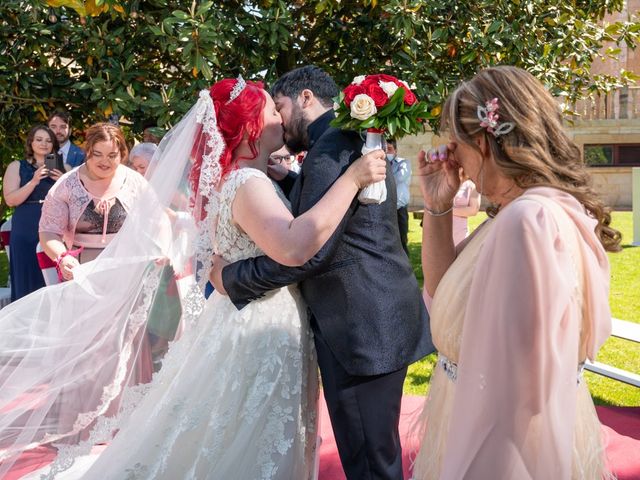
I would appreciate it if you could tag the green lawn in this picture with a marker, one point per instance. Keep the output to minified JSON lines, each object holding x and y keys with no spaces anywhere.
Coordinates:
{"x":625,"y":304}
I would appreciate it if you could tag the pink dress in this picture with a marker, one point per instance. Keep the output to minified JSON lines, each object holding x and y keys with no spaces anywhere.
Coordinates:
{"x":462,"y":199}
{"x":513,"y":319}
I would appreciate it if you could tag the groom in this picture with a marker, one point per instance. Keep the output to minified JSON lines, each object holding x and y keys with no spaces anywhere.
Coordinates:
{"x":366,"y":311}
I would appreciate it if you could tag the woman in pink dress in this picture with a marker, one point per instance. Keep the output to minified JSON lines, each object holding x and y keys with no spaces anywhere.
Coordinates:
{"x":522,"y":303}
{"x":86,"y":208}
{"x":466,"y":204}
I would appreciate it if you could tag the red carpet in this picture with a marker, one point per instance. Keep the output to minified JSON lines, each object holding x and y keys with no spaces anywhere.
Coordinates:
{"x":621,"y":426}
{"x":622,"y":437}
{"x":622,"y":431}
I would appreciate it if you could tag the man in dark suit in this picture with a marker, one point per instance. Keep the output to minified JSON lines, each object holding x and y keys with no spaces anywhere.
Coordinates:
{"x":60,"y":123}
{"x":366,"y":311}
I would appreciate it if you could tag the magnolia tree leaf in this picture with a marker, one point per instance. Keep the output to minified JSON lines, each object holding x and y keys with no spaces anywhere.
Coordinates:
{"x":56,"y":55}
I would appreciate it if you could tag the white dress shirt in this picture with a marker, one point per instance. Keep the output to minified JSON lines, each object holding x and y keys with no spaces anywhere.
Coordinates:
{"x":401,"y":169}
{"x":64,"y":150}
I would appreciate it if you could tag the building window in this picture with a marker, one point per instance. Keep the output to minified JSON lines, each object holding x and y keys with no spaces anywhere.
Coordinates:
{"x":616,"y":155}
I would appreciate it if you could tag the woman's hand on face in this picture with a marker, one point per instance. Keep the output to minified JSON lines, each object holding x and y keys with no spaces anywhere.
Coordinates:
{"x":369,"y":168}
{"x":39,"y":174}
{"x":438,"y":174}
{"x":55,"y":174}
{"x":67,"y":264}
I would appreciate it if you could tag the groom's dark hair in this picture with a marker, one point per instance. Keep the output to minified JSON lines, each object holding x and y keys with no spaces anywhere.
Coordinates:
{"x":308,"y":77}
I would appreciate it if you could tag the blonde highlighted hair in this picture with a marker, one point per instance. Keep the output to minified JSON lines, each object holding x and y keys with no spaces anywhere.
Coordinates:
{"x":537,"y":152}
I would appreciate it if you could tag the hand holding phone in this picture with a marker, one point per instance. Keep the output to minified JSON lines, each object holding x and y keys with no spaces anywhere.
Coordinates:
{"x":53,"y":162}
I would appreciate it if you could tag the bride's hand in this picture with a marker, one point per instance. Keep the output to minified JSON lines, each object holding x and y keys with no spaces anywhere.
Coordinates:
{"x":438,"y":177}
{"x":369,"y":168}
{"x":215,"y":275}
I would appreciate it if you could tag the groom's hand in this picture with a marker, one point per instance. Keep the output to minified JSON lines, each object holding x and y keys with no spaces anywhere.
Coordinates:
{"x":276,"y":171}
{"x":215,"y":275}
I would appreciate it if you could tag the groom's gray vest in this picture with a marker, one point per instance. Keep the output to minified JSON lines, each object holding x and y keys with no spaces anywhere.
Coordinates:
{"x":360,"y":287}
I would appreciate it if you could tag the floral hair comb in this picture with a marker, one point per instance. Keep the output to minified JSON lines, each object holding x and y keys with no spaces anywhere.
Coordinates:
{"x":237,"y":89}
{"x":488,"y":116}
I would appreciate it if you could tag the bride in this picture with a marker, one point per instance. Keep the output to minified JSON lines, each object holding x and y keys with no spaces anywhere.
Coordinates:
{"x":236,"y":396}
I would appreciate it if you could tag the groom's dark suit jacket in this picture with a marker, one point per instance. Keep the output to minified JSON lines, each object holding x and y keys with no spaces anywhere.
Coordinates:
{"x":360,"y":287}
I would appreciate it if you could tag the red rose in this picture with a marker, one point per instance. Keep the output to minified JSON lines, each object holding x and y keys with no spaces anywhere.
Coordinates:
{"x":409,"y":96}
{"x":350,"y":92}
{"x":375,"y":91}
{"x":369,"y":80}
{"x":389,"y":78}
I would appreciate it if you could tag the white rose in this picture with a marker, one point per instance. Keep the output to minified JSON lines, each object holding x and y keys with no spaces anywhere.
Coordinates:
{"x":388,"y":87}
{"x":363,"y":106}
{"x":336,"y":106}
{"x":405,"y":85}
{"x":358,"y":80}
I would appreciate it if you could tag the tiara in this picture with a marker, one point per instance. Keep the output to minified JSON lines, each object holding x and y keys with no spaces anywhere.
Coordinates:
{"x":237,"y":89}
{"x":488,"y":116}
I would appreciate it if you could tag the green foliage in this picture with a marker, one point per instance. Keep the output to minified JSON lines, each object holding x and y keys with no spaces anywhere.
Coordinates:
{"x":596,"y":155}
{"x":148,"y":58}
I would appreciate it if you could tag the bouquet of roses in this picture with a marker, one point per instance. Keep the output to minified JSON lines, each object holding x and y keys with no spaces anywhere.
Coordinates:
{"x":380,"y":104}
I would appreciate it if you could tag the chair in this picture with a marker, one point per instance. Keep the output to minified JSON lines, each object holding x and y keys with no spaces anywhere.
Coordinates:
{"x":48,"y":267}
{"x":5,"y":235}
{"x":627,"y":331}
{"x":5,"y":238}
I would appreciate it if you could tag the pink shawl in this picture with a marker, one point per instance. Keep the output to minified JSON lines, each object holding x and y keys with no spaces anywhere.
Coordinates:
{"x":68,"y":198}
{"x":525,"y":331}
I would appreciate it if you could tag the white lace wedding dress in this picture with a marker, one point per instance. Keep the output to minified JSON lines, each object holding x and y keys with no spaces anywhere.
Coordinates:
{"x":236,"y":397}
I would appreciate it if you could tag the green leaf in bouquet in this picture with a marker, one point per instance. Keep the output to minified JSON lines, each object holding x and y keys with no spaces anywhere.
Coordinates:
{"x":341,"y":116}
{"x":393,"y":104}
{"x":392,"y":127}
{"x":406,"y":124}
{"x":369,"y":122}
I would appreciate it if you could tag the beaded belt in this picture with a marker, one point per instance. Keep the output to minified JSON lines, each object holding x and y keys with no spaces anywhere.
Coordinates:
{"x":451,"y":368}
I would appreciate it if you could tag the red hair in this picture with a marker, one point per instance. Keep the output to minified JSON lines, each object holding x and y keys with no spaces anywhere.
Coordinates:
{"x":240,"y":117}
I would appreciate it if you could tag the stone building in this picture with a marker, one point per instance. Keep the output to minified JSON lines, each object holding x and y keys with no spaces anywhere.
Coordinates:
{"x":607,"y":130}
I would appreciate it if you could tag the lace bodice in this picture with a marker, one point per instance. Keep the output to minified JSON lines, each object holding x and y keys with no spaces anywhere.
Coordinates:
{"x":232,"y":243}
{"x":68,"y":199}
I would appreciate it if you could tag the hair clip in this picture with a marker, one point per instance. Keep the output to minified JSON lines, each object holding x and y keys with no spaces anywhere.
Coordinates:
{"x":237,"y":89}
{"x":488,"y":116}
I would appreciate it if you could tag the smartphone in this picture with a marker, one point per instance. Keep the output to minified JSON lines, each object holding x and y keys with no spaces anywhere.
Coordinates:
{"x":53,"y":161}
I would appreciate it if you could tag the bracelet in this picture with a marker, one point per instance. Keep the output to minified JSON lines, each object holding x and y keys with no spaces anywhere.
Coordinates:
{"x":73,"y":253}
{"x":58,"y":261}
{"x":438,"y":214}
{"x":61,"y":256}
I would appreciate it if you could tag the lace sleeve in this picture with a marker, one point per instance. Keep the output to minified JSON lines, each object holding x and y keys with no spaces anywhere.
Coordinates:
{"x":232,"y":243}
{"x":55,"y":211}
{"x":238,"y":178}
